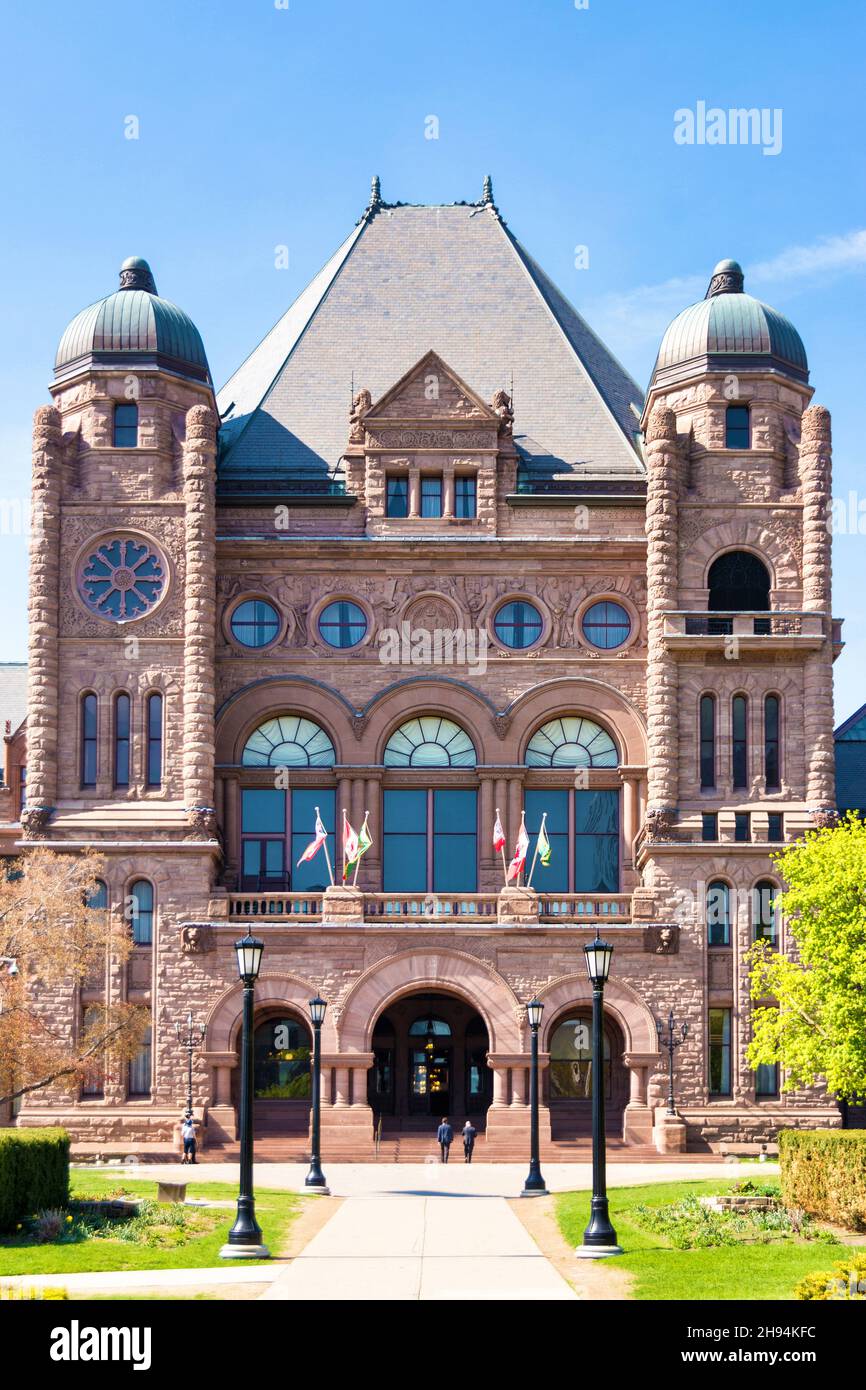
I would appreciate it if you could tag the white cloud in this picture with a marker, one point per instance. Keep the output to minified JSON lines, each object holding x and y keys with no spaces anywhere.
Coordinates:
{"x":635,"y":320}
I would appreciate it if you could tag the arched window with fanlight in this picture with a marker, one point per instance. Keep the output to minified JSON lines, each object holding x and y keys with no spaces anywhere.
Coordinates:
{"x":738,"y":582}
{"x":278,"y":823}
{"x":582,"y":823}
{"x":430,"y":833}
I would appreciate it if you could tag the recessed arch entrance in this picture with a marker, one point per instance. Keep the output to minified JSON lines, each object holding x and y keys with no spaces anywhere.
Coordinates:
{"x":429,"y":1060}
{"x":571,"y":1078}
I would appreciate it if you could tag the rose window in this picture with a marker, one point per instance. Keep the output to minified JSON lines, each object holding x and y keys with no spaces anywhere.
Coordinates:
{"x":123,"y":578}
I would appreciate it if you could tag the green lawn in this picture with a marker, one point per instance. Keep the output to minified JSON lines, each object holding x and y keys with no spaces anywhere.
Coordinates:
{"x":275,"y":1212}
{"x":659,"y":1271}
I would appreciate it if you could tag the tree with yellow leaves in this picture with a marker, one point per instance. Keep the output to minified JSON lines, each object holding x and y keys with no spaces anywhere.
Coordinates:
{"x":53,"y":943}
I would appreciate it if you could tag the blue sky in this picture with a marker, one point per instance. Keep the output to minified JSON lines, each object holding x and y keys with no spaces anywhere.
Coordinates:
{"x":260,"y":127}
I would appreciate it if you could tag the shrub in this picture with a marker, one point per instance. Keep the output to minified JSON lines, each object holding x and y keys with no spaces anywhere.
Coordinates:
{"x":845,"y":1281}
{"x":34,"y":1173}
{"x":691,"y":1225}
{"x":49,"y":1225}
{"x":823,"y":1171}
{"x":28,"y":1293}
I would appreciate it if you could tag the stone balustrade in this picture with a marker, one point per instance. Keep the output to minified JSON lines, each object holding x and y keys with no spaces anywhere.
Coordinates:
{"x":511,"y":907}
{"x":776,"y":625}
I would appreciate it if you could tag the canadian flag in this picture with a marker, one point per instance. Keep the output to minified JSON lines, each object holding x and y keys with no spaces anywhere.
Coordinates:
{"x":315,"y":844}
{"x":498,"y":834}
{"x":518,"y":863}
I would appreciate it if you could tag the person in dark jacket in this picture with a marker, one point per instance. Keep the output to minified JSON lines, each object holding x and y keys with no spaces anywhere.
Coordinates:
{"x":469,"y":1133}
{"x":445,"y":1137}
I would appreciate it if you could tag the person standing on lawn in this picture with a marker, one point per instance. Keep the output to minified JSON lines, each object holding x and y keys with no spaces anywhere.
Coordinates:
{"x":445,"y":1136}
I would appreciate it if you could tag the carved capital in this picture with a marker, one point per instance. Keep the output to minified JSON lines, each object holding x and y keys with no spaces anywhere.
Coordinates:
{"x":660,"y":821}
{"x":203,"y":819}
{"x":35,"y":821}
{"x":662,"y":424}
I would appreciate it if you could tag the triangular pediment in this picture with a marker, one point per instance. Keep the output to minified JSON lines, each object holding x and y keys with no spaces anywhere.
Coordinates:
{"x":431,"y":391}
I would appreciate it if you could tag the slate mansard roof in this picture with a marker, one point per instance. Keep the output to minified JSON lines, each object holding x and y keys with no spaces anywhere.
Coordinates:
{"x":407,"y":280}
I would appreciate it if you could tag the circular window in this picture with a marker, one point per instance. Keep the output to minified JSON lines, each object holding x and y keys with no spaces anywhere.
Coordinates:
{"x":342,"y":624}
{"x":518,"y":624}
{"x":255,"y":623}
{"x":606,"y":625}
{"x":122,"y":578}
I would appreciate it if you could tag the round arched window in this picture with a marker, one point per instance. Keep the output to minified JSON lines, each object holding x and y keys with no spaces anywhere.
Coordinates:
{"x":429,"y":741}
{"x":255,"y":623}
{"x":606,"y":625}
{"x":518,"y":624}
{"x":571,"y":742}
{"x":342,"y":624}
{"x":122,"y":578}
{"x":289,"y":741}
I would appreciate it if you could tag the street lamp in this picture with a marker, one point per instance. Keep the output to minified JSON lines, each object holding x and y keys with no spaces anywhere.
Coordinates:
{"x":189,"y":1039}
{"x":245,"y":1236}
{"x":534,"y":1185}
{"x":315,"y":1178}
{"x":670,"y":1044}
{"x":599,"y":1238}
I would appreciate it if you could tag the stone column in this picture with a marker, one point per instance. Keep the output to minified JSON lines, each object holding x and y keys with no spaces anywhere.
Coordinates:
{"x":664,"y":465}
{"x":43,"y":655}
{"x":414,"y":492}
{"x":815,"y":479}
{"x":519,"y":1081}
{"x":500,"y":1087}
{"x":341,"y":1085}
{"x":448,"y":490}
{"x":199,"y":480}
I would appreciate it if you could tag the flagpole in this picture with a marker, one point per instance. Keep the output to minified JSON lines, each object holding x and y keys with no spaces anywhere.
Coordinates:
{"x":358,"y":860}
{"x":502,"y":852}
{"x":345,"y":820}
{"x":327,"y":855}
{"x":535,"y":855}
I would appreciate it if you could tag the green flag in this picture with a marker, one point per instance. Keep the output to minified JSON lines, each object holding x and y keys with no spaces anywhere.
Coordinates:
{"x":544,"y":846}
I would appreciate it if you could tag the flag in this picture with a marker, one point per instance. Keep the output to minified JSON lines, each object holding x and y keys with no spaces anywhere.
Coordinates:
{"x":365,"y":839}
{"x":543,"y":848}
{"x":320,"y":836}
{"x":498,"y":835}
{"x":518,"y":863}
{"x":350,"y":846}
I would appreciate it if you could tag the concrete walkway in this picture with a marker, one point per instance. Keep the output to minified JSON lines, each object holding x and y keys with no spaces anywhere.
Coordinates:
{"x":428,"y":1247}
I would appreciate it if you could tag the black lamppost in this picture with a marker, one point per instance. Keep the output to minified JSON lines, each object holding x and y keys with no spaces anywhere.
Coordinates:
{"x":316,"y":1178}
{"x":599,"y":1238}
{"x":534,"y":1185}
{"x":670,"y":1044}
{"x":245,"y":1236}
{"x":190,"y":1039}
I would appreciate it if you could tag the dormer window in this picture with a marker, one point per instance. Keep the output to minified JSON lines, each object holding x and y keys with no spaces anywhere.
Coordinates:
{"x":737,"y":432}
{"x":431,"y":494}
{"x":126,"y":427}
{"x":397,"y":495}
{"x":465,"y":496}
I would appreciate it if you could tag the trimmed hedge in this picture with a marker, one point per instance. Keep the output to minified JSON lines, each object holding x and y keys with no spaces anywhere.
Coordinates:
{"x":34,"y":1172}
{"x":823,"y":1172}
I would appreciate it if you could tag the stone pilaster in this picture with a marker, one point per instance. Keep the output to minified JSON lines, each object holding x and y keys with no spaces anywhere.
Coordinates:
{"x":199,"y":472}
{"x":664,"y":466}
{"x":42,"y":675}
{"x":815,"y":480}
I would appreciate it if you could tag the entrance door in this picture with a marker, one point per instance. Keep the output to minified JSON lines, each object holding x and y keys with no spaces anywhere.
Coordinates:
{"x":430,"y":1081}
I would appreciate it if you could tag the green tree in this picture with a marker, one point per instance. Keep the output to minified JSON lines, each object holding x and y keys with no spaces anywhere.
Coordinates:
{"x":816,"y":1025}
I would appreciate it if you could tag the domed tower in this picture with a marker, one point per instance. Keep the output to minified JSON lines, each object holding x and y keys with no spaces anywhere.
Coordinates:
{"x":741,"y":638}
{"x":122,"y":574}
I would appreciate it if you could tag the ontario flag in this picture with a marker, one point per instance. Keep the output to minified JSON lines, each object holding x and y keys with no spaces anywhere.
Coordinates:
{"x":498,"y":834}
{"x":518,"y":863}
{"x":543,"y":848}
{"x":320,"y":836}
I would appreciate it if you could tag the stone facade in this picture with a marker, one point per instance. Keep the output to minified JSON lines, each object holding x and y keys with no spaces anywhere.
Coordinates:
{"x":367,"y":949}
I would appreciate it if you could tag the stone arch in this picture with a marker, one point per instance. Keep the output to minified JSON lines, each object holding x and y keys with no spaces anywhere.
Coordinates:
{"x":426,"y":970}
{"x":740,"y":533}
{"x":622,"y":1002}
{"x":275,"y":990}
{"x":576,"y":695}
{"x":255,"y":703}
{"x":453,"y":700}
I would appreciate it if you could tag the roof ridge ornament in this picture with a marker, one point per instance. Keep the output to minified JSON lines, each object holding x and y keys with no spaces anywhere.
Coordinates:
{"x":375,"y":204}
{"x":727,"y":278}
{"x":136,"y":274}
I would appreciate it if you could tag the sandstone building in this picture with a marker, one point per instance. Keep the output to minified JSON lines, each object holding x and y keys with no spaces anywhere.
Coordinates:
{"x":429,"y":555}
